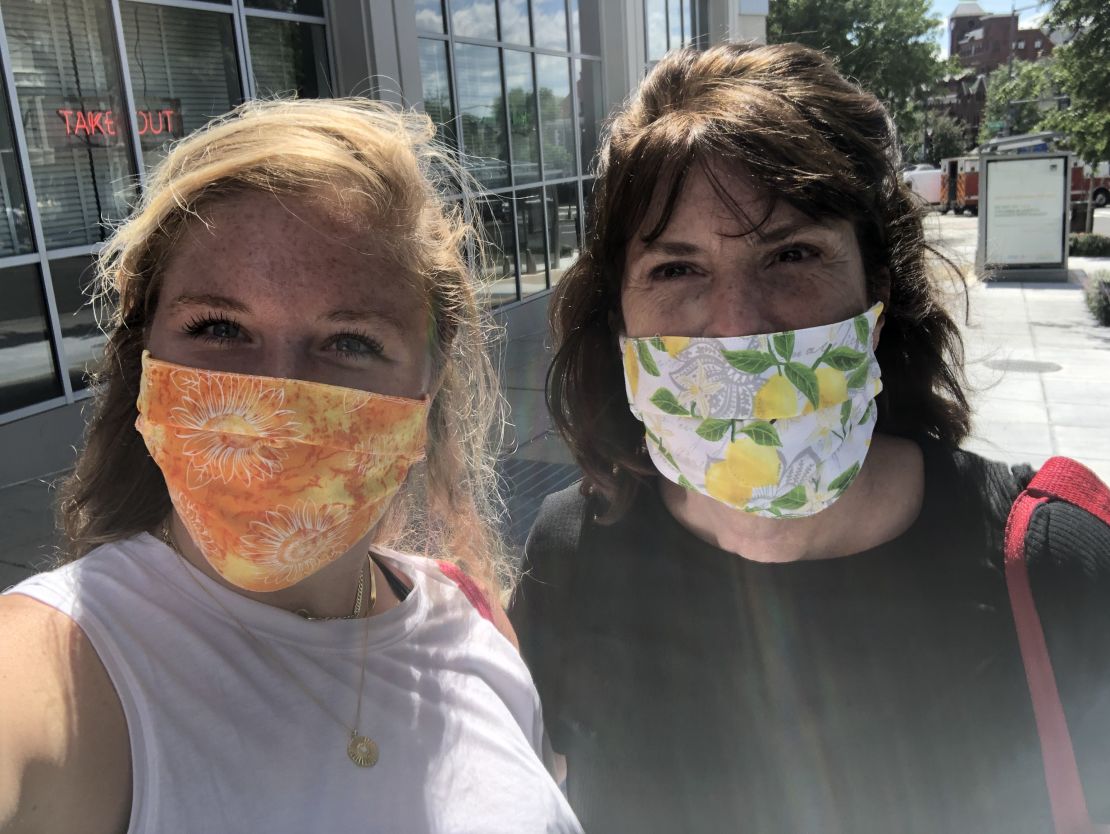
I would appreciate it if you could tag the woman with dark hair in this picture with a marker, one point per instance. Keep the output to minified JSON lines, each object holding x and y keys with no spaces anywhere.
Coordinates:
{"x":776,"y":602}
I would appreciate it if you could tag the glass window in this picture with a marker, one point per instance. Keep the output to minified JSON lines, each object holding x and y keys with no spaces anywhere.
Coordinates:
{"x":588,"y":202}
{"x":15,"y":233}
{"x":482,"y":113}
{"x":313,"y":7}
{"x":514,"y":21}
{"x":549,"y":18}
{"x":184,"y":71}
{"x":429,"y":16}
{"x":553,"y":77}
{"x":525,"y":137}
{"x":533,"y":249}
{"x":674,"y":23}
{"x":655,"y":14}
{"x":26,"y":362}
{"x":288,"y":57}
{"x":67,"y":78}
{"x":691,"y":38}
{"x":82,"y":340}
{"x":474,"y":19}
{"x":499,"y":263}
{"x":564,"y":233}
{"x":591,"y":110}
{"x":585,"y":27}
{"x":436,"y":88}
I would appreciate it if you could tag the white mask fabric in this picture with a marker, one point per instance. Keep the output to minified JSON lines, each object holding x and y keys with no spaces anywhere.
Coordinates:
{"x":773,"y":424}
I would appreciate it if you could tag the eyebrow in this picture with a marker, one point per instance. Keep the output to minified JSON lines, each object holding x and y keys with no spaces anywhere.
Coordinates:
{"x":678,"y":248}
{"x":355,"y":316}
{"x":209,"y":300}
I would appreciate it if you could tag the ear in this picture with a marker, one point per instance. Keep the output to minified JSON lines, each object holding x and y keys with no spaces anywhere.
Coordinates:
{"x":882,"y":293}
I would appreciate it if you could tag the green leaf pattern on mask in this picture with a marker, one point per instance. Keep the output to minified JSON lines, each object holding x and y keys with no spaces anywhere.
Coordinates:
{"x":712,"y":429}
{"x":688,"y":396}
{"x":665,"y":400}
{"x":646,"y":362}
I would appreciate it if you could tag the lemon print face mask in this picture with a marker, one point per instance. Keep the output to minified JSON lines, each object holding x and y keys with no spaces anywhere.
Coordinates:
{"x":275,"y":478}
{"x":777,"y":424}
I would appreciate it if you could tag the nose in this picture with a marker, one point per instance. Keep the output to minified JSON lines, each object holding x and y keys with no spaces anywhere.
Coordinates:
{"x":735,"y":307}
{"x":282,"y":359}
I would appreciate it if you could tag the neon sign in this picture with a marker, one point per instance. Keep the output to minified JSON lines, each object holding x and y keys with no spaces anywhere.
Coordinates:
{"x":83,"y":123}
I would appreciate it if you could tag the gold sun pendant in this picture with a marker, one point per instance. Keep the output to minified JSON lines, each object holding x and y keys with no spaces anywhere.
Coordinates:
{"x":362,"y":750}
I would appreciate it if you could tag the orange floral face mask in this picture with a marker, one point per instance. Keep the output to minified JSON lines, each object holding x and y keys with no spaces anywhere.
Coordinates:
{"x":275,"y":478}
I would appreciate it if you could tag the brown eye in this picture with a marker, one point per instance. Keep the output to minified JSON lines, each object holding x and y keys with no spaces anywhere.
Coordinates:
{"x":795,"y":254}
{"x":671,"y":271}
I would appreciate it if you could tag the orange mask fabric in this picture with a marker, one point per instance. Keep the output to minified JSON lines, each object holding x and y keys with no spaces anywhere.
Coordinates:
{"x":275,"y":478}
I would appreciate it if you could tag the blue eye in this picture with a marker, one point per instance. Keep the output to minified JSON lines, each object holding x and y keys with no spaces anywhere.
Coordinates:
{"x":356,"y":346}
{"x":218,"y":329}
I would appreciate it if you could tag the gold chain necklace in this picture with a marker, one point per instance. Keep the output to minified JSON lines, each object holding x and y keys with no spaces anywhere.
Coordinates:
{"x":362,"y":750}
{"x":303,"y":612}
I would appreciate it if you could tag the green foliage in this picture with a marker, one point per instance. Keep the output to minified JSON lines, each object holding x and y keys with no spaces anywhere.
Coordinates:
{"x":948,"y":137}
{"x":885,"y":45}
{"x":1085,"y":245}
{"x":1083,"y":70}
{"x":1031,"y":82}
{"x":1098,"y":297}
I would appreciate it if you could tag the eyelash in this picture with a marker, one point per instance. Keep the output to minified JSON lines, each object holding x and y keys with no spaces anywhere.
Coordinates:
{"x":197,"y":326}
{"x":812,"y":251}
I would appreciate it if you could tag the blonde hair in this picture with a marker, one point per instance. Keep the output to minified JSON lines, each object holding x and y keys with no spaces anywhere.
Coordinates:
{"x":375,"y":166}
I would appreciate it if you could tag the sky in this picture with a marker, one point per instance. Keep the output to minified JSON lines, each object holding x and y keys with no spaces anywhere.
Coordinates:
{"x":943,"y":8}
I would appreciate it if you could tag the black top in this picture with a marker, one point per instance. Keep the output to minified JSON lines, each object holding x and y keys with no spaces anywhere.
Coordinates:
{"x":693,"y":690}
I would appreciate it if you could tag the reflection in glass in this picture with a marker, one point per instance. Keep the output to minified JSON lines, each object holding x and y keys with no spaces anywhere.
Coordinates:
{"x":523,"y":133}
{"x":436,"y":88}
{"x":313,"y":7}
{"x":688,"y":23}
{"x":26,"y":363}
{"x":530,"y":229}
{"x":553,"y":80}
{"x":655,"y":13}
{"x":549,"y":20}
{"x":184,"y":71}
{"x":589,"y":26}
{"x":564,"y":233}
{"x":588,"y":203}
{"x":288,"y":57}
{"x":15,"y":233}
{"x":591,"y":110}
{"x":429,"y":16}
{"x":674,"y":21}
{"x":499,"y":257}
{"x":82,"y":340}
{"x":514,"y":21}
{"x":482,"y":113}
{"x":474,"y":19}
{"x":67,"y":78}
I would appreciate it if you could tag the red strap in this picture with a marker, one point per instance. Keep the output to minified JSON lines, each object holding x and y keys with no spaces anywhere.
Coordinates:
{"x":1067,"y":480}
{"x":469,"y":588}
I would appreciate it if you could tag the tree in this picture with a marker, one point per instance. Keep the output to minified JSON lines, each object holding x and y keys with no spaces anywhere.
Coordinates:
{"x":947,"y":137}
{"x":1019,"y":97}
{"x":1083,"y":70}
{"x":885,"y":45}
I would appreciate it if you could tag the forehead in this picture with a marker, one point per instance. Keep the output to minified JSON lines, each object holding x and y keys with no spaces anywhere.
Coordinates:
{"x":284,"y":246}
{"x":721,"y":206}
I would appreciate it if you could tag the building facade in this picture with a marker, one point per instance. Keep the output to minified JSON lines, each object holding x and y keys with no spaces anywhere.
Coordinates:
{"x":92,"y":92}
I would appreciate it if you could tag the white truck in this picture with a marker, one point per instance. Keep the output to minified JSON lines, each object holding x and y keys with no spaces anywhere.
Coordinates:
{"x":924,"y":182}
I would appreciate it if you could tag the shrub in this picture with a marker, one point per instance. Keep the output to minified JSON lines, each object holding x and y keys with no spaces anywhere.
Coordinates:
{"x":1086,"y":245}
{"x":1098,"y":296}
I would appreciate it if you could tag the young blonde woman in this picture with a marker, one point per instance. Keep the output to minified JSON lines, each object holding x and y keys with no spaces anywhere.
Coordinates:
{"x":295,"y":398}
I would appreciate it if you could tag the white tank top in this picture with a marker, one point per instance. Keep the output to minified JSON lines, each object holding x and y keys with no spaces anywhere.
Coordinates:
{"x":223,"y":741}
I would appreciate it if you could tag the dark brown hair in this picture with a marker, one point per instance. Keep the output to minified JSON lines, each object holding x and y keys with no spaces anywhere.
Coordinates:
{"x":802,"y":133}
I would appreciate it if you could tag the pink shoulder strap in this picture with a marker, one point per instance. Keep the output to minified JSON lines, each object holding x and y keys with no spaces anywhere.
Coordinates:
{"x":1060,"y":479}
{"x":469,"y":588}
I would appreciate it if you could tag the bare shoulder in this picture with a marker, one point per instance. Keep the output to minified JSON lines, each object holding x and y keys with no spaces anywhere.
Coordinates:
{"x":65,"y":763}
